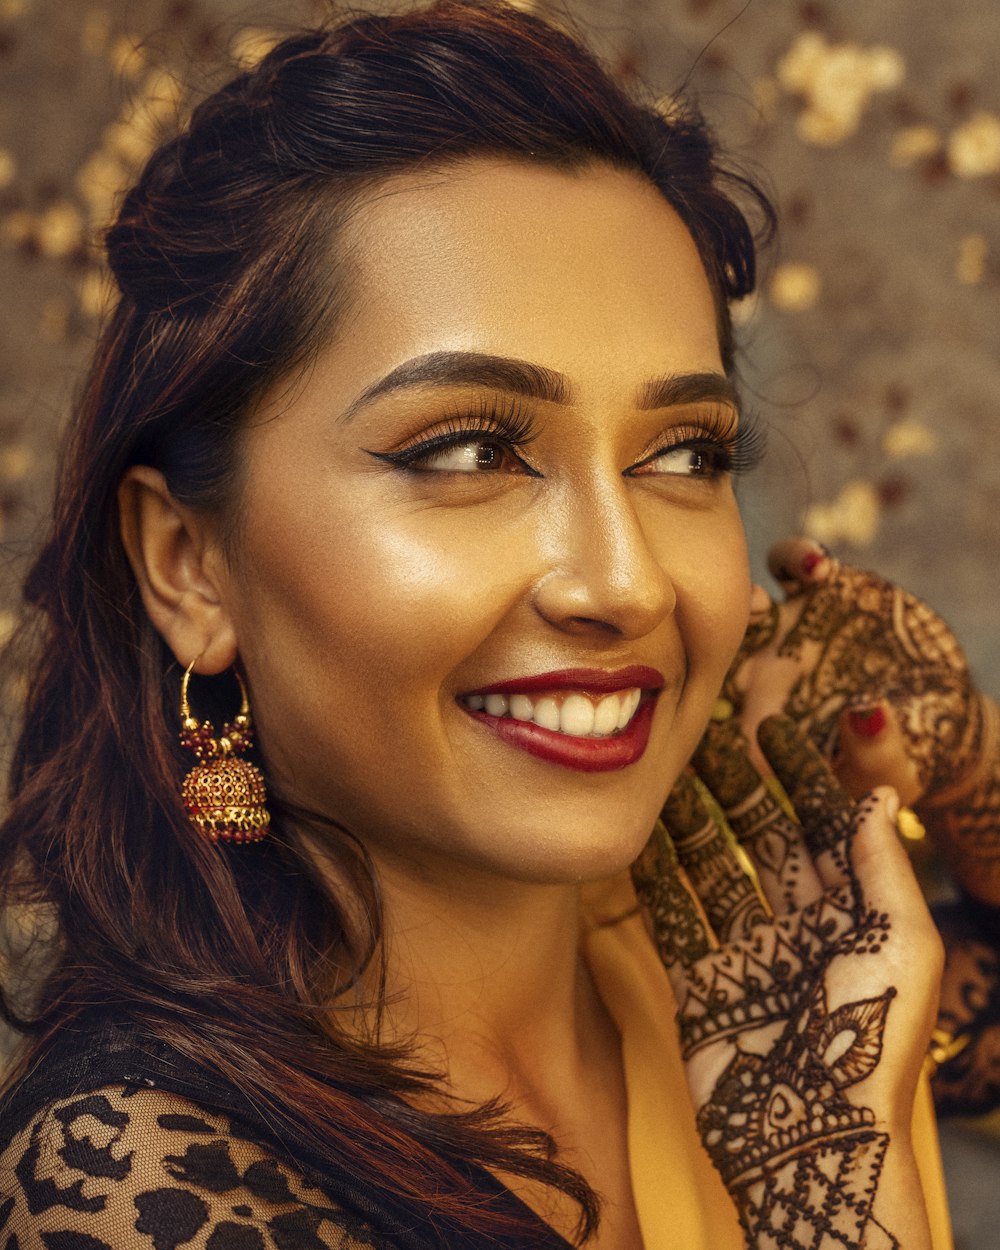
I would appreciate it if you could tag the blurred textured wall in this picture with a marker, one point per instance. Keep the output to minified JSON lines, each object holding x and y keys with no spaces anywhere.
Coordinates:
{"x":871,"y":350}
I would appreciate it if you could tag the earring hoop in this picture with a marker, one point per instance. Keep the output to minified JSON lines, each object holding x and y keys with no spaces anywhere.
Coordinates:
{"x":224,"y":796}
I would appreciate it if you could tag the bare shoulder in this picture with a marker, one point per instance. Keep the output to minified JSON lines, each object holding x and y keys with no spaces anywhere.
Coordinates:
{"x":121,"y":1169}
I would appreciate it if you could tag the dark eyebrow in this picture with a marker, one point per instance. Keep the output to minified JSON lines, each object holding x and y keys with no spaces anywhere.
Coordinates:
{"x":688,"y":388}
{"x":500,"y":373}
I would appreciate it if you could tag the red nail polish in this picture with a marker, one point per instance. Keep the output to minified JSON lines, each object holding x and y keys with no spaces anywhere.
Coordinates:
{"x":867,"y":722}
{"x":809,"y":562}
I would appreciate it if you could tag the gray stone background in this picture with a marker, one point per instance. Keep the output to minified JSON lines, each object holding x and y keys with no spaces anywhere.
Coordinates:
{"x":871,"y":351}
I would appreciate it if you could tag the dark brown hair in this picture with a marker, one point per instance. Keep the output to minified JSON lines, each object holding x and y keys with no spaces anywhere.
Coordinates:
{"x":226,"y":256}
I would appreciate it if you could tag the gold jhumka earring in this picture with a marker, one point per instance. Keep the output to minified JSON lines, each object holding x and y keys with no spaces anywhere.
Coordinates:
{"x":224,"y":796}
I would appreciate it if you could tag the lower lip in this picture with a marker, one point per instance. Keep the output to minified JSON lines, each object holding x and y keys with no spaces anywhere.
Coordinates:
{"x":586,"y":755}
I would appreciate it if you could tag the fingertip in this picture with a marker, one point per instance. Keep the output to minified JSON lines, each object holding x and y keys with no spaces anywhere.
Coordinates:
{"x":888,"y":796}
{"x":872,"y":751}
{"x":866,"y":721}
{"x":800,"y":562}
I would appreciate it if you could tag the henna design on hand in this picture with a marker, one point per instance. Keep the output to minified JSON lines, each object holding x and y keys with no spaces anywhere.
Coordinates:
{"x":732,"y":905}
{"x":769,"y":1059}
{"x":769,"y":835}
{"x":968,"y":1082}
{"x":852,"y":636}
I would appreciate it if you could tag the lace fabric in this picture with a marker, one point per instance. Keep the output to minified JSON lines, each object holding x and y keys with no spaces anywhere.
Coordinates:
{"x":122,"y":1167}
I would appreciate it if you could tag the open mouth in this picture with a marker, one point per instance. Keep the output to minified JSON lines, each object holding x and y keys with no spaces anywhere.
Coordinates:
{"x":577,"y":715}
{"x":584,"y":719}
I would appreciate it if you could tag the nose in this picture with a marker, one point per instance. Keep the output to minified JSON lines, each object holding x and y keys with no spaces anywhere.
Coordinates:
{"x":604,"y":573}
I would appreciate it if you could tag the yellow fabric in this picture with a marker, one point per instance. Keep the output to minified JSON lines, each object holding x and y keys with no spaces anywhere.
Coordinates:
{"x":679,"y":1197}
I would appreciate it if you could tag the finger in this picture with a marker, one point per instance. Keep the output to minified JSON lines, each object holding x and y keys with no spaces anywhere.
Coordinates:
{"x":872,"y":751}
{"x":732,"y":905}
{"x":824,"y":809}
{"x":771,"y":837}
{"x":892,"y":900}
{"x":678,"y":928}
{"x":798,"y":563}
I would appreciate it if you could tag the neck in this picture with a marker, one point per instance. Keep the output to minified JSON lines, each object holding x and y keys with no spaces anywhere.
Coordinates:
{"x":486,"y":978}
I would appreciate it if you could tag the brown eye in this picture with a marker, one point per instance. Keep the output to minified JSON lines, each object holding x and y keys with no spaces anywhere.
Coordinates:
{"x":688,"y":460}
{"x":476,"y":455}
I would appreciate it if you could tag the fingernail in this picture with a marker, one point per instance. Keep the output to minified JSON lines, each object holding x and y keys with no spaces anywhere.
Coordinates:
{"x":813,"y":559}
{"x":892,"y":806}
{"x":867,"y":722}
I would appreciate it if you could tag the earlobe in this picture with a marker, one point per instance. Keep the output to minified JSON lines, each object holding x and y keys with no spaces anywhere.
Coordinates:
{"x":177,"y":564}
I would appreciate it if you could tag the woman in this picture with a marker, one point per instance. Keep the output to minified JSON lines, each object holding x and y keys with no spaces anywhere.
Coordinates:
{"x":413,"y":433}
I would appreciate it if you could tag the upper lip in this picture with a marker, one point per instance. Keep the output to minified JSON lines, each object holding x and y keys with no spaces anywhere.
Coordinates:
{"x":587,"y":680}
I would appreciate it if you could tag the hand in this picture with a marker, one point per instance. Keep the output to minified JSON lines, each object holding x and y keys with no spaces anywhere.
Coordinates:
{"x":881,"y":685}
{"x":805,"y":1010}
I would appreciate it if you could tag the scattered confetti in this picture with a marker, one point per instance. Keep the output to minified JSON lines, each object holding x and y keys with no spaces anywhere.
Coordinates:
{"x":795,"y":287}
{"x":836,"y":81}
{"x":971,"y":263}
{"x":974,"y":147}
{"x":914,"y":144}
{"x":852,"y":517}
{"x":909,"y":438}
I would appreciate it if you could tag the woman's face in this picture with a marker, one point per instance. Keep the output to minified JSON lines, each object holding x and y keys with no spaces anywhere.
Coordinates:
{"x":491,"y":517}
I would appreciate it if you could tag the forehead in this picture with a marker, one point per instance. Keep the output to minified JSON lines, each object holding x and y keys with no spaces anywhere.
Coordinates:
{"x":572,"y":269}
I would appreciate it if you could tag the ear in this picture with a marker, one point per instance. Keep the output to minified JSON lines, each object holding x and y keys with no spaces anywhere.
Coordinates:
{"x":177,"y":561}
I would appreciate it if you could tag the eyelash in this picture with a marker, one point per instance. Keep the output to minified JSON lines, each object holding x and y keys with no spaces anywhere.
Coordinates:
{"x":504,"y":420}
{"x":731,"y":452}
{"x":508,"y":423}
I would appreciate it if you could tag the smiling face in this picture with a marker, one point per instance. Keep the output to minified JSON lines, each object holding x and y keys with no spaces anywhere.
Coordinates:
{"x":491,"y":570}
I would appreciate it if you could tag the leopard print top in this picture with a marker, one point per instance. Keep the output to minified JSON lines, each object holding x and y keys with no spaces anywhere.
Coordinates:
{"x":116,"y":1142}
{"x":126,"y":1167}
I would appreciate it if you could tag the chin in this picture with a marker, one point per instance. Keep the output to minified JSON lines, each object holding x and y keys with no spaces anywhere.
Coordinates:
{"x":580,"y":855}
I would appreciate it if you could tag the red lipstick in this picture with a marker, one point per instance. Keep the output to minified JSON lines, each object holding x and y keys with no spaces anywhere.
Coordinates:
{"x":590,"y":754}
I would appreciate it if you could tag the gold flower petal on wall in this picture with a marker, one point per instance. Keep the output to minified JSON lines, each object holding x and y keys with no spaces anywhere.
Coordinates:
{"x":852,"y":517}
{"x":836,"y":80}
{"x":914,"y":144}
{"x":909,"y":438}
{"x":974,"y":147}
{"x":795,"y":287}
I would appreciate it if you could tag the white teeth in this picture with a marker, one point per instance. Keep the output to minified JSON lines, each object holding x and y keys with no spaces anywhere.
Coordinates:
{"x":630,"y":701}
{"x":606,"y":715}
{"x":575,"y":714}
{"x":546,"y":714}
{"x":521,"y":707}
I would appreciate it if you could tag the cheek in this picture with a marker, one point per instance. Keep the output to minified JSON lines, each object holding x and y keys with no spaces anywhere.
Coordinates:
{"x":713,"y":597}
{"x":368,"y":613}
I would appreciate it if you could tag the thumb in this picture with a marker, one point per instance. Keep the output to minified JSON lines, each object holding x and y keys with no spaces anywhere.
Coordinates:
{"x":871,"y":751}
